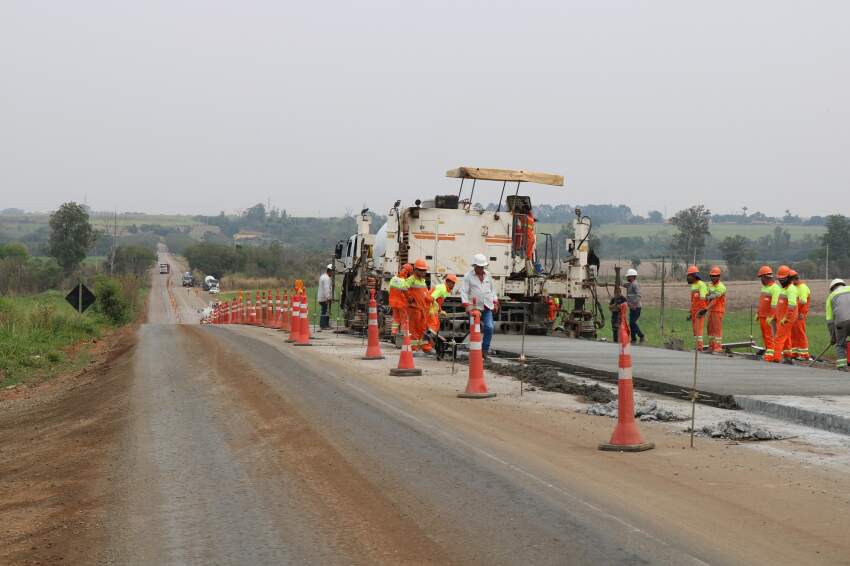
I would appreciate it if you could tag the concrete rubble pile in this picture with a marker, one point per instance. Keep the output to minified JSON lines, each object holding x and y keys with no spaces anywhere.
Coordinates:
{"x":644,"y":410}
{"x":547,"y":378}
{"x":738,"y":430}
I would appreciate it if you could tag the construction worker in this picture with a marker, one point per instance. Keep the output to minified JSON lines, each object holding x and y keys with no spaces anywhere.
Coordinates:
{"x":799,"y":338}
{"x":418,"y":301}
{"x":478,"y":286}
{"x":398,"y":297}
{"x":633,"y":298}
{"x":716,"y":310}
{"x":766,"y":314}
{"x":699,"y":304}
{"x":531,"y":238}
{"x":838,"y":321}
{"x":324,"y":296}
{"x":438,"y":295}
{"x":786,"y":315}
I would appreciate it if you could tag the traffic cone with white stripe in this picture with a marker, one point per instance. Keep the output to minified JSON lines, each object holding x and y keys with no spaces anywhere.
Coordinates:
{"x":373,"y":348}
{"x":405,"y":359}
{"x":269,"y":310}
{"x":304,"y":335}
{"x":278,"y":312}
{"x":295,"y":318}
{"x":626,"y":437}
{"x":285,"y":323}
{"x":476,"y":387}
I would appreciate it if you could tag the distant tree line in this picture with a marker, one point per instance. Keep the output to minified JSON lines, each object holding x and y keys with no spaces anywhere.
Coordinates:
{"x":272,"y":260}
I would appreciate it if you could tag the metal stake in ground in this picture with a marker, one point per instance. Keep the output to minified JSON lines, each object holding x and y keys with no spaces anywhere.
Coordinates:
{"x":819,"y":356}
{"x":694,"y":395}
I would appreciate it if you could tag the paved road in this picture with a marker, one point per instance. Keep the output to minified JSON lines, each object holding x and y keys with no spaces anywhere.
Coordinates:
{"x":240,"y":449}
{"x":720,"y":375}
{"x":236,"y":454}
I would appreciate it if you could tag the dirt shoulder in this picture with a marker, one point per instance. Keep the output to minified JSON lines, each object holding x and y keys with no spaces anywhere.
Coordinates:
{"x":57,"y":439}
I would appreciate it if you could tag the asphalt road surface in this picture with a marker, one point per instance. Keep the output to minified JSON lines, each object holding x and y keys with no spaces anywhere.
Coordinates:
{"x":235,"y":448}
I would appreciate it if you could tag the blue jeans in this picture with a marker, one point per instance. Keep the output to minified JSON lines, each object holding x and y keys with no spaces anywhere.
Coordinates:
{"x":324,"y":317}
{"x":634,"y":315}
{"x":486,"y":329}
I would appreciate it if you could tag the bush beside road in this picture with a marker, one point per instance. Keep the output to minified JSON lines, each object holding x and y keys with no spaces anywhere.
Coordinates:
{"x":41,"y":335}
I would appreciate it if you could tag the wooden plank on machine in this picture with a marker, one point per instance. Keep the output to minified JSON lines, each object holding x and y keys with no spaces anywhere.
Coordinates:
{"x":506,"y":175}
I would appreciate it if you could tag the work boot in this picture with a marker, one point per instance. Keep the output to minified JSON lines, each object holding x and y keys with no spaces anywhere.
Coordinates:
{"x":642,"y":338}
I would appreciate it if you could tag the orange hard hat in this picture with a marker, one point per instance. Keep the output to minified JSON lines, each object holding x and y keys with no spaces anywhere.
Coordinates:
{"x":406,"y":269}
{"x":765,"y":270}
{"x":692,"y":269}
{"x":714,"y":271}
{"x":420,"y":264}
{"x":792,"y":273}
{"x":783,"y":271}
{"x":451,"y":277}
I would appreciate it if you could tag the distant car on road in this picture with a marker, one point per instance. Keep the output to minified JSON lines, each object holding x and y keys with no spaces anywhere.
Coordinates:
{"x":188,"y":280}
{"x":211,"y":284}
{"x":164,"y":268}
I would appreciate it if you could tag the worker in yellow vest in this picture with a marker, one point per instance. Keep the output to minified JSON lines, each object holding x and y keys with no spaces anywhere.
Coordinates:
{"x":799,"y":338}
{"x":438,"y":295}
{"x":786,"y":315}
{"x":716,"y":310}
{"x":699,"y":304}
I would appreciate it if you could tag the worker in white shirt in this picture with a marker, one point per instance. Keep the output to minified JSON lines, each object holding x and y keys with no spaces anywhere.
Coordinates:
{"x":324,"y":296}
{"x":478,"y":285}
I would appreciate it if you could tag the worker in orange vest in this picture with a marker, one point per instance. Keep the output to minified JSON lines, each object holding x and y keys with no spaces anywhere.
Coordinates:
{"x":766,"y":314}
{"x":716,"y":310}
{"x":398,"y":297}
{"x":699,"y":304}
{"x":531,"y":238}
{"x":799,"y":338}
{"x":786,"y":315}
{"x":438,"y":295}
{"x":418,"y":300}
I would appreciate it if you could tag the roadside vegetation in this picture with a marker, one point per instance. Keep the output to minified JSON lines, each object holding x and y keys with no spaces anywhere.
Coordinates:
{"x":40,"y":332}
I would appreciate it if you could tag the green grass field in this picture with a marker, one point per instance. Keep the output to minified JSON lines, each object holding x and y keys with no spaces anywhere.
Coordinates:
{"x":36,"y":333}
{"x":736,"y":328}
{"x":718,"y":231}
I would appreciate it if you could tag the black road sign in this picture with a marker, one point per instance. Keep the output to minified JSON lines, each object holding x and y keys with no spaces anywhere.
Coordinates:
{"x":75,"y":298}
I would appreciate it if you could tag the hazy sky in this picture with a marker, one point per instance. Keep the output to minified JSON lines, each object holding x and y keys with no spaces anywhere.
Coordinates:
{"x":201,"y":106}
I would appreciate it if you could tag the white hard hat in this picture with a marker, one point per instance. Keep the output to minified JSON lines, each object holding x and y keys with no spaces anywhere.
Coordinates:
{"x":836,"y":282}
{"x":480,"y":260}
{"x":330,"y":266}
{"x":631,"y":273}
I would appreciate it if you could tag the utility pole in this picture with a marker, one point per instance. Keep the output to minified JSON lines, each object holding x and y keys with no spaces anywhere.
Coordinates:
{"x":663,"y":277}
{"x":827,"y":262}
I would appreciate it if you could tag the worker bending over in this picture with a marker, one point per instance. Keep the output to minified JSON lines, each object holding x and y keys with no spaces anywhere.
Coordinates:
{"x":786,"y":315}
{"x":398,"y":297}
{"x":419,"y":300}
{"x":716,"y":310}
{"x":838,"y":321}
{"x":438,"y":295}
{"x":699,"y":304}
{"x":478,"y":286}
{"x":799,"y":338}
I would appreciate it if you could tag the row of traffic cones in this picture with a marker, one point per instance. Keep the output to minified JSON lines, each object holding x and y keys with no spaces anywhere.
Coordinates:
{"x":279,"y":313}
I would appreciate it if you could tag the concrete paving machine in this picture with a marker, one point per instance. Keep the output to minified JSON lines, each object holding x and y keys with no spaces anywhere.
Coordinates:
{"x":448,"y":230}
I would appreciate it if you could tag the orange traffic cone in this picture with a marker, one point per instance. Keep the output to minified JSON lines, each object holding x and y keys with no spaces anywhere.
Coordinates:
{"x":276,"y":317}
{"x":626,"y":437}
{"x":304,"y":334}
{"x":286,"y":312}
{"x":295,"y":318}
{"x":476,"y":387}
{"x":373,"y":348}
{"x":270,"y":310}
{"x":405,"y":359}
